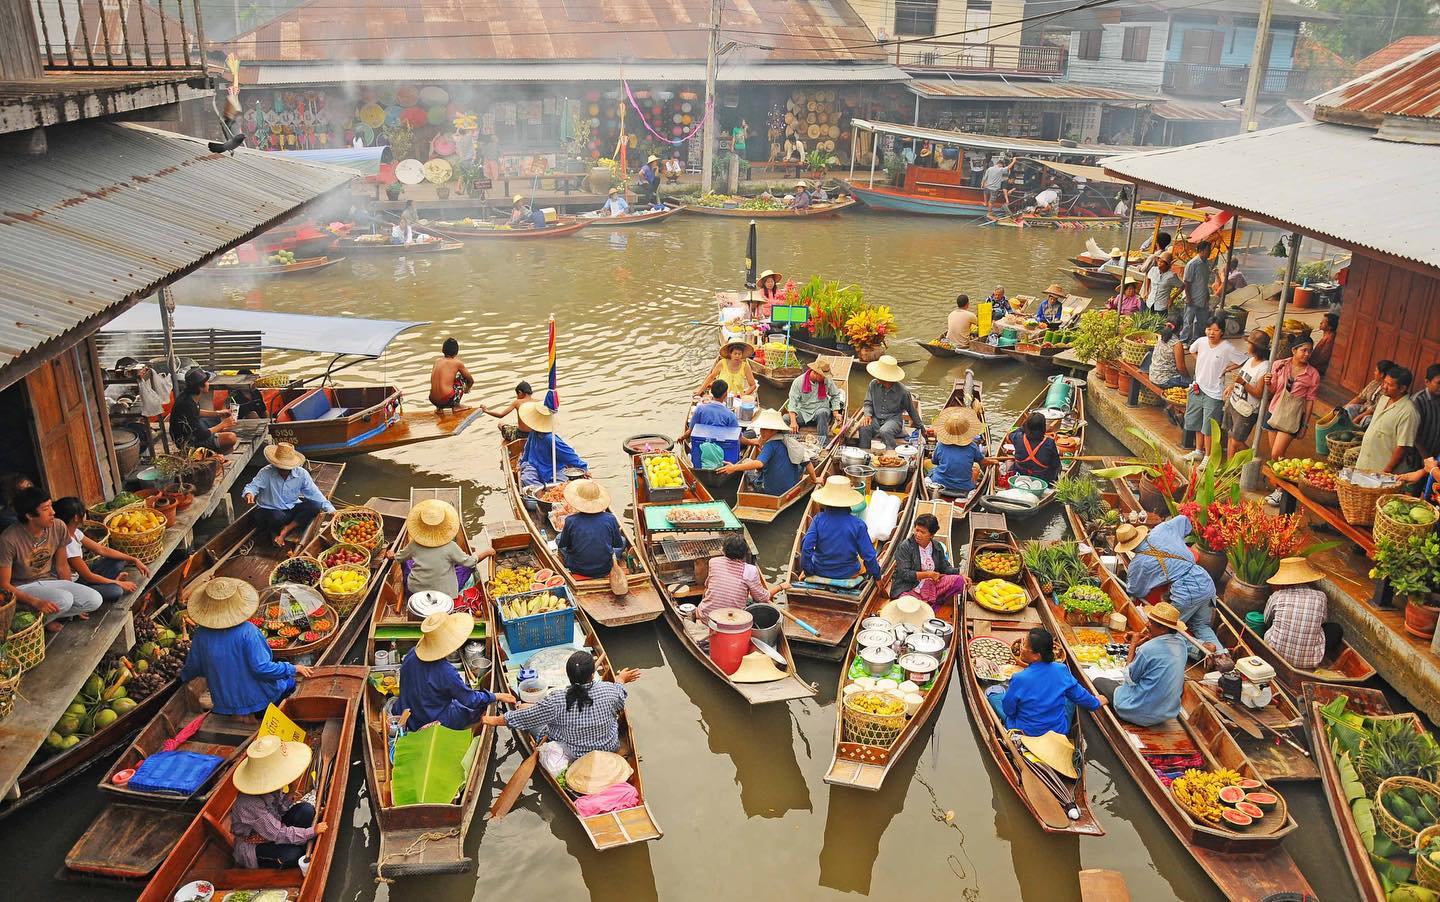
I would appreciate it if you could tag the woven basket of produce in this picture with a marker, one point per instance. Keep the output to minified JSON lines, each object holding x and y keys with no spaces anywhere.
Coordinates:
{"x":1327,"y":497}
{"x":1338,"y":443}
{"x":97,"y":533}
{"x":1136,"y":345}
{"x":873,"y":718}
{"x":998,"y":562}
{"x":272,"y":380}
{"x":1149,"y":399}
{"x":1398,"y":517}
{"x":136,"y":530}
{"x":358,"y":526}
{"x":344,"y":553}
{"x":344,"y":586}
{"x":1357,"y":502}
{"x":301,"y":569}
{"x":25,"y":646}
{"x":1427,"y":843}
{"x":10,"y":674}
{"x":1404,"y":806}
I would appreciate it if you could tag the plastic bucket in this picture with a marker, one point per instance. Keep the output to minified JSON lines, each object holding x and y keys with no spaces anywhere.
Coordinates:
{"x":729,"y":638}
{"x":1255,"y":620}
{"x":765,"y":623}
{"x":1058,"y":397}
{"x":1337,"y":420}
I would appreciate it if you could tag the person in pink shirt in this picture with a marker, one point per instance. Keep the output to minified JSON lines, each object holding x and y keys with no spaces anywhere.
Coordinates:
{"x":1296,"y":376}
{"x":733,"y":582}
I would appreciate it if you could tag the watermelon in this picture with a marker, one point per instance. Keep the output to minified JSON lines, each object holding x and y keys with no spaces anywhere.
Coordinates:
{"x":1264,"y":799}
{"x":1236,"y":818}
{"x":1249,"y":785}
{"x":1232,"y":794}
{"x":1251,"y":809}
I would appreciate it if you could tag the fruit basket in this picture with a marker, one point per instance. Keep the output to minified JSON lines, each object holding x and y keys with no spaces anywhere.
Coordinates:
{"x":873,"y":718}
{"x":1398,"y":517}
{"x":358,"y":526}
{"x":1404,"y":806}
{"x":10,"y":674}
{"x":1427,"y":869}
{"x":344,"y":586}
{"x":663,"y":481}
{"x":301,"y":569}
{"x":137,"y":531}
{"x":25,"y":646}
{"x":997,"y":562}
{"x":1000,"y":596}
{"x":1319,"y":486}
{"x":1357,"y":502}
{"x":1136,"y":345}
{"x":344,"y":553}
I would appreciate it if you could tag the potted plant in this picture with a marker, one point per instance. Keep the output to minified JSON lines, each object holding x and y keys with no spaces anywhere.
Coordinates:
{"x":394,"y":190}
{"x":1256,"y":541}
{"x":442,"y":192}
{"x":866,"y":330}
{"x":1214,"y":484}
{"x":401,"y":140}
{"x":1408,"y":567}
{"x":1098,"y":339}
{"x":1162,"y":486}
{"x":817,"y":165}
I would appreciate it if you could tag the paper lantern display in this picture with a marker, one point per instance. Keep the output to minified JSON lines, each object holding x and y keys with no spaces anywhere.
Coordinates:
{"x":437,"y":172}
{"x":414,"y":116}
{"x":435,"y":115}
{"x":392,"y":115}
{"x":372,"y":115}
{"x":434,"y":95}
{"x":407,"y":95}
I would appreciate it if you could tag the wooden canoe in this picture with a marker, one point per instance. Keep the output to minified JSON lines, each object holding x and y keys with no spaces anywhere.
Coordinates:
{"x":758,"y":507}
{"x":641,"y":605}
{"x":605,"y":220}
{"x":335,"y":421}
{"x":325,"y":707}
{"x":679,"y":560}
{"x":270,"y":270}
{"x":1251,"y":865}
{"x":459,"y":233}
{"x":867,"y":766}
{"x":957,"y":398}
{"x":834,"y":611}
{"x":614,"y":829}
{"x":1095,"y":278}
{"x":815,"y":211}
{"x":1346,"y":667}
{"x":1044,"y":804}
{"x":385,"y":248}
{"x":976,"y":350}
{"x":1073,"y":426}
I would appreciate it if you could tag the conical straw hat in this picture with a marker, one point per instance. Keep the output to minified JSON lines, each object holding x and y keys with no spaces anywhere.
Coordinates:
{"x":597,"y":772}
{"x":537,"y":416}
{"x":1295,"y":571}
{"x":886,"y":369}
{"x":837,"y":492}
{"x":223,"y":602}
{"x":442,"y":634}
{"x":270,"y":764}
{"x":907,"y":609}
{"x":957,"y":426}
{"x":1053,"y":749}
{"x":757,"y":667}
{"x":432,"y":522}
{"x":587,"y":496}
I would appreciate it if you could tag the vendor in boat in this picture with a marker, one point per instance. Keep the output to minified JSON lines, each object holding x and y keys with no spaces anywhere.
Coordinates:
{"x":1127,"y":300}
{"x":1036,"y":453}
{"x":591,"y":542}
{"x":713,"y":431}
{"x":1048,"y":200}
{"x":404,"y":230}
{"x":431,"y":689}
{"x":958,"y":449}
{"x":271,"y":830}
{"x":615,"y":204}
{"x":584,"y":718}
{"x":107,"y":576}
{"x":770,"y":287}
{"x":188,"y":427}
{"x":1295,"y":626}
{"x":733,"y":368}
{"x":999,"y":304}
{"x":648,"y":191}
{"x":733,"y":582}
{"x":782,"y":458}
{"x":433,"y":560}
{"x":449,"y":378}
{"x":814,"y":400}
{"x":544,"y":451}
{"x":923,"y":567}
{"x":1159,"y":558}
{"x":523,"y":393}
{"x":522,"y":217}
{"x":1155,"y":676}
{"x":230,"y":652}
{"x":962,"y":323}
{"x":801,"y":199}
{"x":1052,"y":305}
{"x":887,"y":402}
{"x":837,"y":542}
{"x":1039,"y":699}
{"x":285,"y":496}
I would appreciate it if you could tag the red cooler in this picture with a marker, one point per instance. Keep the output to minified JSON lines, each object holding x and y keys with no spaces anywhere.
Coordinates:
{"x":729,"y":638}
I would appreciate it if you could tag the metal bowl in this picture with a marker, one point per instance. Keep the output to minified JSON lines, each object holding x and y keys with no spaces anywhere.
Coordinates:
{"x":876,"y":623}
{"x":890,"y":477}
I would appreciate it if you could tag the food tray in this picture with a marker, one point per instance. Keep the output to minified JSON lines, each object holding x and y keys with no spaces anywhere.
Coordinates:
{"x":987,"y":655}
{"x":657,"y":516}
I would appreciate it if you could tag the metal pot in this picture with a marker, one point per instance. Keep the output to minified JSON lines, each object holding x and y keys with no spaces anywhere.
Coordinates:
{"x":875,"y":638}
{"x":903,"y":632}
{"x":890,"y":477}
{"x":876,"y":623}
{"x":925,"y":644}
{"x":878,"y":660}
{"x":851,"y":455}
{"x":939,"y":628}
{"x":919,"y":669}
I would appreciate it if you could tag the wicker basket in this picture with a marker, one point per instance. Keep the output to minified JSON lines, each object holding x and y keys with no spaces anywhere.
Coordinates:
{"x":344,"y":604}
{"x":1357,"y":503}
{"x":349,"y":513}
{"x":1149,"y":399}
{"x":1393,"y":827}
{"x":365,"y":562}
{"x":1016,"y":577}
{"x":1135,"y":346}
{"x":319,"y":570}
{"x":1426,"y":873}
{"x":1338,"y":447}
{"x":1317,"y":494}
{"x":1387,"y":527}
{"x":9,"y":687}
{"x":27,"y":647}
{"x":864,"y":728}
{"x":135,"y":543}
{"x":94,"y":532}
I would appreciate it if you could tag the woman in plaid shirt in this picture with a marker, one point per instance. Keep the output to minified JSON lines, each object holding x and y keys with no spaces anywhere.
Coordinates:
{"x":584,"y":718}
{"x":1295,"y":615}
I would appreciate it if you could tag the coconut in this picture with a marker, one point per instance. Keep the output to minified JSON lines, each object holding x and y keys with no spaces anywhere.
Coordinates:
{"x":93,"y":686}
{"x":113,"y":693}
{"x":68,"y":724}
{"x":54,"y":741}
{"x":123,"y":705}
{"x":76,"y":708}
{"x":70,"y":742}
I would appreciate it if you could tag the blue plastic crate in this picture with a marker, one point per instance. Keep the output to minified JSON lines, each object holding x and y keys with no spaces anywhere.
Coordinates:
{"x":539,"y":630}
{"x":174,"y":773}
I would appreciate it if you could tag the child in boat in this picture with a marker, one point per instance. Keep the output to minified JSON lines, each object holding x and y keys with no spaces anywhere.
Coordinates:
{"x":270,"y":830}
{"x":449,"y":379}
{"x":435,"y":561}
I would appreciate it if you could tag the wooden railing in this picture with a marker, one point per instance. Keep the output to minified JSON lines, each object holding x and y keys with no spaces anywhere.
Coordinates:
{"x":949,"y":56}
{"x":1212,"y":80}
{"x":118,"y":35}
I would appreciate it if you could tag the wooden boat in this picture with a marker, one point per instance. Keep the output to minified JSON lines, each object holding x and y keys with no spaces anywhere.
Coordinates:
{"x":641,"y":605}
{"x":1071,"y":428}
{"x":1095,"y":278}
{"x":926,"y":190}
{"x":758,"y":507}
{"x":1251,"y":865}
{"x":303,"y":240}
{"x":1083,"y":219}
{"x":479,"y":231}
{"x":1346,"y":667}
{"x":325,"y":707}
{"x":1043,"y":803}
{"x":427,"y":838}
{"x":834,"y":611}
{"x":814,"y":211}
{"x":866,"y":766}
{"x":976,"y":350}
{"x":334,"y":421}
{"x":973,"y":388}
{"x":268,"y":270}
{"x":632,"y":219}
{"x":383,"y":247}
{"x":615,"y":829}
{"x":678,"y":558}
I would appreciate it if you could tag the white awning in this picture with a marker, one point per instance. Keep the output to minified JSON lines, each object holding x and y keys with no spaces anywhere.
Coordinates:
{"x":362,"y":160}
{"x":1021,"y":146}
{"x":347,"y":336}
{"x":572,"y":71}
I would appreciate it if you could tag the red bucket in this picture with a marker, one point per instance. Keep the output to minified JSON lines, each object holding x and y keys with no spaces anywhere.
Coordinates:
{"x":729,"y":638}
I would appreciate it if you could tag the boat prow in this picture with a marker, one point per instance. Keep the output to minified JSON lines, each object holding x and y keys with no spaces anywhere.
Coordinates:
{"x":334,"y":421}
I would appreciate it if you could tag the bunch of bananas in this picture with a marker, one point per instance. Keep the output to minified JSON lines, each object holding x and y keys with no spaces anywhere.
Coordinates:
{"x":535,"y":604}
{"x":1000,"y":595}
{"x":1198,"y":792}
{"x":881,"y":703}
{"x":1177,"y":395}
{"x":511,"y":581}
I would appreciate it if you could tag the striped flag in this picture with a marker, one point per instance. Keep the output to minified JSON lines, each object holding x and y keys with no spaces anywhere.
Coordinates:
{"x":552,"y":396}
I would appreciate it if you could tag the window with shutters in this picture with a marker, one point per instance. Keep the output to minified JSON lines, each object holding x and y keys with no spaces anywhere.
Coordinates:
{"x":1089,"y":48}
{"x":915,"y":17}
{"x":1136,"y":46}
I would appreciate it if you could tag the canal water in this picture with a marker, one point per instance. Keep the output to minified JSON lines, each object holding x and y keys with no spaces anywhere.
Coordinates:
{"x":738,"y":791}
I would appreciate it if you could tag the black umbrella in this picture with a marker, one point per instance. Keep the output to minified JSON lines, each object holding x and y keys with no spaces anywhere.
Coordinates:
{"x":750,"y":259}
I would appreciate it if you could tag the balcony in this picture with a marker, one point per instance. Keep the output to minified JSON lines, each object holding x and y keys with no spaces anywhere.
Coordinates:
{"x":1221,"y":82}
{"x":117,"y":35}
{"x":980,"y":59}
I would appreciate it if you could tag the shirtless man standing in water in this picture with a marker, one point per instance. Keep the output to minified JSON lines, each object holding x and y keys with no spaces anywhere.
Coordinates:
{"x":449,"y":380}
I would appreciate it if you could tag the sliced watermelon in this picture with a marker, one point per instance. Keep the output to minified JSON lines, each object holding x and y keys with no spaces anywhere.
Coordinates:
{"x":1265,"y":800}
{"x":1250,"y":785}
{"x":1232,"y":794}
{"x":1236,"y":818}
{"x":1250,"y":808}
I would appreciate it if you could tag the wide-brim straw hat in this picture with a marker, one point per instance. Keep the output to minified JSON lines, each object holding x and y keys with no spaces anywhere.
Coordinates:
{"x":819,"y":367}
{"x":837,"y":492}
{"x":886,"y":369}
{"x":1055,"y":289}
{"x":222,"y":602}
{"x":1295,"y":571}
{"x":757,"y":667}
{"x":284,"y":456}
{"x":587,"y":496}
{"x":957,"y":426}
{"x":441,"y":635}
{"x":517,"y":199}
{"x":1115,"y":251}
{"x":909,"y":609}
{"x":741,"y":343}
{"x":767,"y":274}
{"x":432,"y":522}
{"x":536,"y":416}
{"x":270,"y":764}
{"x":1131,"y":279}
{"x":801,"y":185}
{"x":1167,"y":615}
{"x":770,"y":418}
{"x":1127,"y":536}
{"x":1053,"y":749}
{"x":653,"y":159}
{"x":597,"y":772}
{"x":613,"y":191}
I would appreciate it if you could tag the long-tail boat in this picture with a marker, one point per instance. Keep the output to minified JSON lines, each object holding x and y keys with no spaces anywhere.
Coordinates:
{"x":819,"y":210}
{"x":1069,"y":435}
{"x":967,"y":392}
{"x":477,"y":230}
{"x":648,"y":217}
{"x":379,"y":245}
{"x":337,"y":420}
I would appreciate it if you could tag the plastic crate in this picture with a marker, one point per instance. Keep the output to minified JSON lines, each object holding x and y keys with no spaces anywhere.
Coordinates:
{"x":660,"y":495}
{"x":540,"y":630}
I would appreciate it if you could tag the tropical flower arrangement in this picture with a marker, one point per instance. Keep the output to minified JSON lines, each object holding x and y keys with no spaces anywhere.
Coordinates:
{"x":1253,"y":539}
{"x":831,"y":306}
{"x":869,"y":326}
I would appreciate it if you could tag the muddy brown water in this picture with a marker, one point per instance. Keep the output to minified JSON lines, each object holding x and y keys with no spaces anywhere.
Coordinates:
{"x":737,"y":790}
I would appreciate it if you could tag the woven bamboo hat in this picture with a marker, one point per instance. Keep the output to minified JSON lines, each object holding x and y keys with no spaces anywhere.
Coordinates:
{"x":819,"y":367}
{"x":432,"y":522}
{"x":1295,"y":571}
{"x":613,"y":191}
{"x":837,"y":492}
{"x":1127,"y":536}
{"x":909,"y":609}
{"x":1054,"y":749}
{"x":957,"y":426}
{"x":770,"y":418}
{"x":757,"y":667}
{"x":1167,"y":615}
{"x":517,"y":199}
{"x":1056,"y":290}
{"x":270,"y":764}
{"x":442,"y":634}
{"x":537,"y":416}
{"x":284,"y":456}
{"x":767,"y":274}
{"x":597,"y":772}
{"x":653,"y":159}
{"x":223,"y":602}
{"x":587,"y":496}
{"x":729,"y":346}
{"x":886,"y":369}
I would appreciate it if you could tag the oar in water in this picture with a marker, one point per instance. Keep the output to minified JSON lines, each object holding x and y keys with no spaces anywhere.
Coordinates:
{"x":802,"y":624}
{"x":516,"y":785}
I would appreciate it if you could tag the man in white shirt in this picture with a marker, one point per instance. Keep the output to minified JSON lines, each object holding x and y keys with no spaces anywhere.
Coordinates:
{"x":1214,"y":357}
{"x":1047,"y":201}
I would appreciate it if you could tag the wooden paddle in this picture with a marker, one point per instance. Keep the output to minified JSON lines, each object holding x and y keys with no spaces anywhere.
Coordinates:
{"x":1047,"y":806}
{"x":784,"y":611}
{"x":506,"y":800}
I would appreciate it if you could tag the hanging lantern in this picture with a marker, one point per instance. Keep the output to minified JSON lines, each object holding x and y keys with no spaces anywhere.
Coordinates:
{"x":676,"y":118}
{"x":594,"y":109}
{"x":677,"y":131}
{"x":684,"y":107}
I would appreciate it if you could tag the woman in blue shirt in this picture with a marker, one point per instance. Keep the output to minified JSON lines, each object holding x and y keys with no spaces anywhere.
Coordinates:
{"x":713,"y":427}
{"x":837,"y":540}
{"x":431,"y":688}
{"x":1155,"y":678}
{"x":230,"y":652}
{"x":538,"y":462}
{"x":957,"y":450}
{"x":1038,"y":699}
{"x":1052,"y":305}
{"x":591,"y":541}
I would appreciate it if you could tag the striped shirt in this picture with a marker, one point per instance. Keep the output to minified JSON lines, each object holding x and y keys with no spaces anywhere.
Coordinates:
{"x":595,"y":728}
{"x":731,"y":584}
{"x":1427,"y":436}
{"x":1295,"y":615}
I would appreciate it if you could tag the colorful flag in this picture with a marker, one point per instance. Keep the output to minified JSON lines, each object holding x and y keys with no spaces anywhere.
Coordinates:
{"x":552,"y":397}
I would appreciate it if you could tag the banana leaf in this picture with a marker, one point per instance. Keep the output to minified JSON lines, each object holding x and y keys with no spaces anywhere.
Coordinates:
{"x":430,"y":766}
{"x":1364,"y":812}
{"x":1349,"y":779}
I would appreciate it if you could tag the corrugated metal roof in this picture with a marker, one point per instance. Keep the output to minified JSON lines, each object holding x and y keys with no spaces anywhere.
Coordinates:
{"x":583,"y":70}
{"x":1024,"y":146}
{"x":987,"y":89}
{"x":1406,"y":87}
{"x":1077,"y":171}
{"x":1291,"y":176}
{"x":1186,"y":111}
{"x":112,"y":211}
{"x":1396,"y":50}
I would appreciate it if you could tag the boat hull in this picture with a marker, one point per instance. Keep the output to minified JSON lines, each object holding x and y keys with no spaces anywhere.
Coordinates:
{"x":895,"y":201}
{"x":460,"y":233}
{"x":620,"y":222}
{"x":818,"y":211}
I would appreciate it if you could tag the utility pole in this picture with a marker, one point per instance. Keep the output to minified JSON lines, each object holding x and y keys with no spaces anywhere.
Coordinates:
{"x":712,"y":61}
{"x":1259,"y":57}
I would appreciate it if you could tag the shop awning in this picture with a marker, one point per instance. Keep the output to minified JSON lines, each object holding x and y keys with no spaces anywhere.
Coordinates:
{"x":570,"y":71}
{"x":1090,"y":174}
{"x":363,"y":161}
{"x":1185,"y":111}
{"x":347,"y":336}
{"x":990,"y":89}
{"x":112,"y":211}
{"x":1021,"y":146}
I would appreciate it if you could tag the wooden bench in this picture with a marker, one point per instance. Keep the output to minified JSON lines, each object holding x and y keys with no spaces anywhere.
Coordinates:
{"x":1332,"y":516}
{"x":1140,"y":380}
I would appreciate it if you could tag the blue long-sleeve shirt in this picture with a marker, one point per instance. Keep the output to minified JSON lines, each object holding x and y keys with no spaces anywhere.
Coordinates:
{"x":715,"y":423}
{"x":1153,"y":682}
{"x":238,"y":669}
{"x":835,"y":539}
{"x":279,"y":491}
{"x":1035,"y":699}
{"x":536,"y":458}
{"x":435,"y":691}
{"x":1190,"y":585}
{"x":589,"y":543}
{"x":955,"y":466}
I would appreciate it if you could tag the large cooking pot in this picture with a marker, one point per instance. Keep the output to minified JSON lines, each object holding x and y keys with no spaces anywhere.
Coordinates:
{"x":850,"y":455}
{"x":890,"y":477}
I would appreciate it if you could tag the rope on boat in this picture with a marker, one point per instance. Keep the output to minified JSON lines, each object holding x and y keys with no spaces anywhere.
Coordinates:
{"x":420,"y":842}
{"x":963,"y":870}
